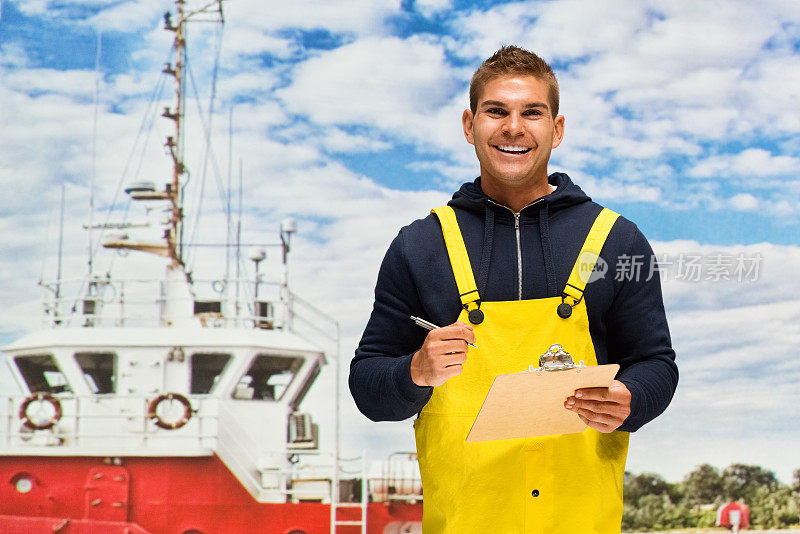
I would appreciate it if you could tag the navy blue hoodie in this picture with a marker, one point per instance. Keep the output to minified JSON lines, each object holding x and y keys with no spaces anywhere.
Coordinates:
{"x":626,"y":312}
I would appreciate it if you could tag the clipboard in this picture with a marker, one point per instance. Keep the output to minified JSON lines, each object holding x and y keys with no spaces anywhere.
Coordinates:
{"x":531,"y":403}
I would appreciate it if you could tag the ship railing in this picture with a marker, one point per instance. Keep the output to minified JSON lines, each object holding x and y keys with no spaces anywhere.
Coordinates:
{"x":400,"y":480}
{"x":144,"y":302}
{"x":270,"y":474}
{"x":314,"y":325}
{"x":289,"y":474}
{"x":100,"y":424}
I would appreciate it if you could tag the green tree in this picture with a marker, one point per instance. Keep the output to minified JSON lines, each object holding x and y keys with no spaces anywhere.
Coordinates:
{"x":652,"y":503}
{"x":741,"y":481}
{"x":637,"y":486}
{"x":703,"y":486}
{"x":778,"y":508}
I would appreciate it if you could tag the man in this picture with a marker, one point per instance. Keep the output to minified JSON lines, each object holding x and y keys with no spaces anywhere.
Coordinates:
{"x":498,"y":265}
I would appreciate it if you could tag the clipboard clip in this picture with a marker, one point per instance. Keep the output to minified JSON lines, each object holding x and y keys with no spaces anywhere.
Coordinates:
{"x":556,"y":359}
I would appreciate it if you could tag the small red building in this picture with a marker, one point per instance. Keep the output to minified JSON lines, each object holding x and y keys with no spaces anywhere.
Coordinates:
{"x":733,"y":515}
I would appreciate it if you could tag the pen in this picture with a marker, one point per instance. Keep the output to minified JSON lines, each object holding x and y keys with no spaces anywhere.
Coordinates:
{"x":430,"y":326}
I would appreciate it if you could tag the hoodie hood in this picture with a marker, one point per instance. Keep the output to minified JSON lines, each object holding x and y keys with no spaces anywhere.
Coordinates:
{"x":472,"y":198}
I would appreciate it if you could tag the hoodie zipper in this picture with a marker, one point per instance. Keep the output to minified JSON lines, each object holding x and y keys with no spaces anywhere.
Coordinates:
{"x":516,"y":215}
{"x":519,"y":257}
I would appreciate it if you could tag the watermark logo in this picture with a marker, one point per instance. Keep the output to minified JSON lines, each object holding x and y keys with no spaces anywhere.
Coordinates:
{"x":685,"y":267}
{"x":591,"y":267}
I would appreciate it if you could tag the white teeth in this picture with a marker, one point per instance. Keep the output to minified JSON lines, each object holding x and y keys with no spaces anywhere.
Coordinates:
{"x":511,"y":148}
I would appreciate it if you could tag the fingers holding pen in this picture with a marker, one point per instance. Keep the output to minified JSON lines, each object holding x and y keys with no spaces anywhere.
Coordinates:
{"x":442,"y":355}
{"x":457,"y":331}
{"x":463,"y":326}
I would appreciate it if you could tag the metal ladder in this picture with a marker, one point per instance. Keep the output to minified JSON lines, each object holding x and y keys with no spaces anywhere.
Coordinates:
{"x":337,"y":505}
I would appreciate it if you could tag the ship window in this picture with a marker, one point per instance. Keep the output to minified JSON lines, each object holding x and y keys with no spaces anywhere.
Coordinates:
{"x":98,"y":370}
{"x":206,"y":370}
{"x":267,"y":378}
{"x":41,"y":373}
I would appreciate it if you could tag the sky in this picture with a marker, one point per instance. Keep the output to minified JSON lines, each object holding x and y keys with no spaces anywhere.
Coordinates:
{"x":682,"y":116}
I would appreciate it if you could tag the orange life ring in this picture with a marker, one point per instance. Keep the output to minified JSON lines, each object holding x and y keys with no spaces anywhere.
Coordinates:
{"x":40,"y":396}
{"x":152,"y":411}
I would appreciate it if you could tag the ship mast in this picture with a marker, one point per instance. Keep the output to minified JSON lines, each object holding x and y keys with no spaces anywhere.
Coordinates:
{"x":172,"y":246}
{"x":175,"y":143}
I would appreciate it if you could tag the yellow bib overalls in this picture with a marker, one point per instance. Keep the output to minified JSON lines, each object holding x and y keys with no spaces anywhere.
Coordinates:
{"x":565,"y":484}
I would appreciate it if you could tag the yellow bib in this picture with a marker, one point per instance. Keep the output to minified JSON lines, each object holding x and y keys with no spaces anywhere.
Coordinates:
{"x":566,"y":484}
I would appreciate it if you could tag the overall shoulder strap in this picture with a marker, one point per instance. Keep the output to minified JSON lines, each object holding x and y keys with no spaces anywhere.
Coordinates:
{"x":457,"y":251}
{"x":587,"y":257}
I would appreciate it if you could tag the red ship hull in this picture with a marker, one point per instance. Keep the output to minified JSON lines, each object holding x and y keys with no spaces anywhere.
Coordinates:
{"x":143,"y":495}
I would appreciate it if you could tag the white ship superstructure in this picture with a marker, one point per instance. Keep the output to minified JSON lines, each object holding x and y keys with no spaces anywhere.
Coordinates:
{"x":135,"y":390}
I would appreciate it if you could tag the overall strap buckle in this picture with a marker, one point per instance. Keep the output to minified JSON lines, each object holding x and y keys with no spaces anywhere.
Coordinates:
{"x":586,"y":261}
{"x":474,"y":315}
{"x":459,"y":261}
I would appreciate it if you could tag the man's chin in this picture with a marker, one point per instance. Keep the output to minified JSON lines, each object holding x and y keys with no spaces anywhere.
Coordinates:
{"x":512,"y":176}
{"x":515,"y":176}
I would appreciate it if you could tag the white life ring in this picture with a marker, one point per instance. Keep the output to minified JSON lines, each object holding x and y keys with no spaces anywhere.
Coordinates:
{"x":35,"y":421}
{"x":152,"y":411}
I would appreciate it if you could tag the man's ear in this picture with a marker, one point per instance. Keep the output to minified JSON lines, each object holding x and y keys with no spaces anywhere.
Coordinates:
{"x":558,"y":131}
{"x":466,"y":122}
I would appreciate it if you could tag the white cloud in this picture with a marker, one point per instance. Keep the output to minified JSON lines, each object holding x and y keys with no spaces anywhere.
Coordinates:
{"x":603,"y":190}
{"x":257,"y":19}
{"x":373,"y":81}
{"x":569,"y":29}
{"x":769,"y":97}
{"x":129,"y":16}
{"x":744,"y":202}
{"x":483,"y":32}
{"x":784,"y":208}
{"x":338,"y":140}
{"x":686,"y":40}
{"x":72,"y":83}
{"x":401,"y":88}
{"x":752,"y":162}
{"x":247,"y":84}
{"x":33,"y":7}
{"x":111,"y":15}
{"x":358,"y":16}
{"x":429,"y":8}
{"x":12,"y":55}
{"x":252,"y":41}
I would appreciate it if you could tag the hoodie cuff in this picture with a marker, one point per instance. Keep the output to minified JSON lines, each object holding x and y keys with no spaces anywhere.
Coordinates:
{"x":633,"y":422}
{"x":411,"y":392}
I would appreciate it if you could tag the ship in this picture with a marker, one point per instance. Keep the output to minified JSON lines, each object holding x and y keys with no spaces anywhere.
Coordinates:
{"x":173,"y":405}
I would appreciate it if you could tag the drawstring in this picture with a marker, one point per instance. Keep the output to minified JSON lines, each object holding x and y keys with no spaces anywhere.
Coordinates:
{"x":486,"y":254}
{"x":547,"y":250}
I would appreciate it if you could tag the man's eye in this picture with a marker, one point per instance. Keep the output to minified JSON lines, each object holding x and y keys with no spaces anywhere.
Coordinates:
{"x":496,"y":111}
{"x":532,"y":112}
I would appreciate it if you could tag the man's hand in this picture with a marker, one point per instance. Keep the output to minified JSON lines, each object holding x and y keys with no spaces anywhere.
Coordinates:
{"x":603,"y":409}
{"x":442,"y":355}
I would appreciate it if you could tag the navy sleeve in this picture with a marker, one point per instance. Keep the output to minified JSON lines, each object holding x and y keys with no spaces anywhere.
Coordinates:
{"x":380,"y":373}
{"x":638,"y":338}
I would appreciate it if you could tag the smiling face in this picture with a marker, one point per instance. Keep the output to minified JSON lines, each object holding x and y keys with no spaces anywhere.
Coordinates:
{"x":513,"y":131}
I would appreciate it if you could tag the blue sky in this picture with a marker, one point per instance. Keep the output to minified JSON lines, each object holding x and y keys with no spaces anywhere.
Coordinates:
{"x":683,"y":117}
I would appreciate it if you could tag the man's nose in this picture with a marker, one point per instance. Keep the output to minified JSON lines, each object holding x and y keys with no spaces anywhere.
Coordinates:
{"x":512,"y":125}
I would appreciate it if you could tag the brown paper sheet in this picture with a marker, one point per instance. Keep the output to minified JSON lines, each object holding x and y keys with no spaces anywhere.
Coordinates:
{"x":531,"y":404}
